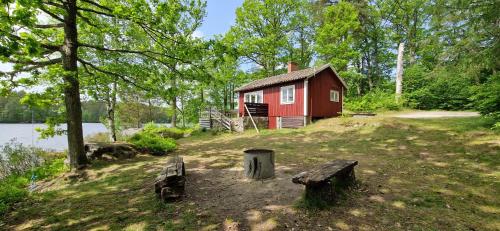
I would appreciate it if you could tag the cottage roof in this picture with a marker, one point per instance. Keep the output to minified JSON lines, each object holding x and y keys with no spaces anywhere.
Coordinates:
{"x":288,"y":77}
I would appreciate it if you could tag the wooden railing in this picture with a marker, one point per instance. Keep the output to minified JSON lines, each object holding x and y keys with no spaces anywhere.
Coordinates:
{"x":211,"y":115}
{"x":257,"y":109}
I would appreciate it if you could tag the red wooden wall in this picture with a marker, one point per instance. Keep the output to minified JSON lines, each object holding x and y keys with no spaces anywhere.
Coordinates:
{"x":319,"y":104}
{"x":276,"y":109}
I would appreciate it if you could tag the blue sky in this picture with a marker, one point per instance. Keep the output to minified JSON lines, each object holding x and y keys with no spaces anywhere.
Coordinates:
{"x":221,"y":15}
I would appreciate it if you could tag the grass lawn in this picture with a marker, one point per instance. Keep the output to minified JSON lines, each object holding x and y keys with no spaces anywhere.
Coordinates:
{"x":414,"y":174}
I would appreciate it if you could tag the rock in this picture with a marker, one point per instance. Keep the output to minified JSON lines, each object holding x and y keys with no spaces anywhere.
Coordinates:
{"x":116,"y":150}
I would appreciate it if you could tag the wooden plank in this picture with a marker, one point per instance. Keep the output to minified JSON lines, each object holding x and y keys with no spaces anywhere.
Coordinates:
{"x":325,"y":172}
{"x":292,"y":122}
{"x":257,"y":109}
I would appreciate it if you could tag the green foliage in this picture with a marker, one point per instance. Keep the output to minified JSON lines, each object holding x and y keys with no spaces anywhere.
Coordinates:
{"x":267,"y":31}
{"x":12,"y":190}
{"x":439,"y":89}
{"x":376,"y":100}
{"x":486,"y":98}
{"x":165,"y":132}
{"x":49,"y":169}
{"x":152,"y":143}
{"x":19,"y":166}
{"x":16,"y":159}
{"x":335,"y":37}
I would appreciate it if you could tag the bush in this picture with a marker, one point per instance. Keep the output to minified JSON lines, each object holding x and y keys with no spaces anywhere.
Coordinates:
{"x":486,"y":97}
{"x":19,"y":165}
{"x":13,"y":189}
{"x":15,"y":158}
{"x":439,"y":89}
{"x":376,"y":100}
{"x":174,"y":133}
{"x":152,"y":143}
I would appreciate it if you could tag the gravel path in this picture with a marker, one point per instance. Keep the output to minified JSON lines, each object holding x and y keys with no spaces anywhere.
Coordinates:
{"x":436,"y":114}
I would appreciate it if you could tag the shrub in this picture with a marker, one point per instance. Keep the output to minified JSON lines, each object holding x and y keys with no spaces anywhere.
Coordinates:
{"x":15,"y":158}
{"x":152,"y":143}
{"x":373,"y":101}
{"x":486,"y":97}
{"x":174,"y":133}
{"x":437,"y":89}
{"x":14,"y":188}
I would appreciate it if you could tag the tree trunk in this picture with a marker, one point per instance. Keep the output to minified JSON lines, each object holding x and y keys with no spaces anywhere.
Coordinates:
{"x":111,"y":105}
{"x":231,"y":92}
{"x":183,"y":115}
{"x":76,"y":150}
{"x":173,"y":103}
{"x":399,"y":72}
{"x":225,"y":98}
{"x":150,"y":111}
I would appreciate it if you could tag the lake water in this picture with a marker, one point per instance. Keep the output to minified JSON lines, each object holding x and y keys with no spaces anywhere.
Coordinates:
{"x":26,"y":134}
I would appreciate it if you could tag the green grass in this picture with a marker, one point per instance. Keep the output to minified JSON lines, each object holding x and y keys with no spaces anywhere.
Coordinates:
{"x":432,"y":174}
{"x":14,"y":188}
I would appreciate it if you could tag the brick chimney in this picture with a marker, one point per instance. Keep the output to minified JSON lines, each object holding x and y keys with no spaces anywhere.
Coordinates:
{"x":292,"y":66}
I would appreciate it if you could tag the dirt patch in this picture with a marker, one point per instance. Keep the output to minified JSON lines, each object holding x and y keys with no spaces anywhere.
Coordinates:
{"x":227,"y":194}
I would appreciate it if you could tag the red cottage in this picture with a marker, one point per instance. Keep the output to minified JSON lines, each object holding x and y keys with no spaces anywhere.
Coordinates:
{"x":297,"y":97}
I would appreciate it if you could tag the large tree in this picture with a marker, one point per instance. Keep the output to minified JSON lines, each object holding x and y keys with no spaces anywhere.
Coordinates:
{"x":42,"y":37}
{"x":267,"y":31}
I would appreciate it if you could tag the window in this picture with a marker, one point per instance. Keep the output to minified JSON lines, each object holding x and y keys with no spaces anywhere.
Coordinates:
{"x":288,"y":94}
{"x":254,"y":97}
{"x":334,"y":96}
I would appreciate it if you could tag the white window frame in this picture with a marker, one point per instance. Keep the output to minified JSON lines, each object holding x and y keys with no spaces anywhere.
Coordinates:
{"x":287,"y":94}
{"x":257,"y":96}
{"x":335,"y":97}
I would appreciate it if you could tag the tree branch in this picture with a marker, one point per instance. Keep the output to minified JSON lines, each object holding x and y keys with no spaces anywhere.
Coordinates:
{"x":96,"y":12}
{"x":60,"y":6}
{"x":98,"y":5}
{"x":85,"y":19}
{"x":122,"y":77}
{"x":44,"y":45}
{"x":45,"y":10}
{"x":36,"y":63}
{"x":58,"y":25}
{"x":144,"y":53}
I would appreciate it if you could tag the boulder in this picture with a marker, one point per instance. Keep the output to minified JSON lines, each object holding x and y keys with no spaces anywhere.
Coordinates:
{"x":116,"y":150}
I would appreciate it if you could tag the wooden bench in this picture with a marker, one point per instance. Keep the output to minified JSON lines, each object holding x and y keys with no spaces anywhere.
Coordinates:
{"x":169,"y":185}
{"x":323,"y":182}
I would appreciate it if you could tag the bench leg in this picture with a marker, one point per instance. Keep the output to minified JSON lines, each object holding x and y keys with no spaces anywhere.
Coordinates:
{"x":324,"y":192}
{"x":348,"y":178}
{"x":327,"y":192}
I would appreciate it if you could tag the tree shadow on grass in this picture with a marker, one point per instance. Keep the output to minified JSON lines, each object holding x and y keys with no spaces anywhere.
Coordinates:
{"x":410,"y":173}
{"x":115,"y":199}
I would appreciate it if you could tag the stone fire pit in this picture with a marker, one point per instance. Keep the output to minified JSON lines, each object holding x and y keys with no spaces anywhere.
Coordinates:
{"x":259,"y":163}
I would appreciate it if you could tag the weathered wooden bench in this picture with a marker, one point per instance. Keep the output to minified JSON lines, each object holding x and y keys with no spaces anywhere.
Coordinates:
{"x":169,"y":185}
{"x":323,"y":182}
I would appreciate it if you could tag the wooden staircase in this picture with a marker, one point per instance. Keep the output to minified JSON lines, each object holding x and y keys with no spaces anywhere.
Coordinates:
{"x":212,"y":117}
